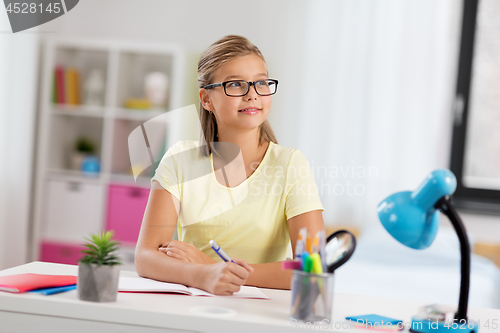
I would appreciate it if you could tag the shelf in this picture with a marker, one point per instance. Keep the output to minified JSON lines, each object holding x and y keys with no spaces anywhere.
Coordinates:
{"x":89,"y":65}
{"x":137,"y":114}
{"x":99,"y":112}
{"x":124,"y":179}
{"x":130,"y":147}
{"x":73,"y":175}
{"x":122,"y":137}
{"x":78,"y":110}
{"x":132,"y":70}
{"x":65,"y":131}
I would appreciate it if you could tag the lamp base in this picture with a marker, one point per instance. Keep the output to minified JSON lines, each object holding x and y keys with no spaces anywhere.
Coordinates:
{"x":419,"y":325}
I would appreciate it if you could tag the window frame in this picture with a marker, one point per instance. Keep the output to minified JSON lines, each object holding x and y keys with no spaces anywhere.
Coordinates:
{"x":485,"y":201}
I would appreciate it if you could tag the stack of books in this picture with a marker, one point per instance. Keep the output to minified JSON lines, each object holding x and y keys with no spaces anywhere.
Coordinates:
{"x":41,"y":283}
{"x":66,"y":86}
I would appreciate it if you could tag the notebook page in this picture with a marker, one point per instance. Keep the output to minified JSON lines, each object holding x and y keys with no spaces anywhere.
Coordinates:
{"x":139,"y":284}
{"x":245,"y":292}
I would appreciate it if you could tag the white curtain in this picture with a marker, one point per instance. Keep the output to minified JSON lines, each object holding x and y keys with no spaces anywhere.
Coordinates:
{"x":371,"y":105}
{"x":18,"y":84}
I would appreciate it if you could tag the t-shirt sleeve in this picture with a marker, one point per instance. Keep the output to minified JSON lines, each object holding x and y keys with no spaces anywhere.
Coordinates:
{"x":167,"y":173}
{"x":302,"y":193}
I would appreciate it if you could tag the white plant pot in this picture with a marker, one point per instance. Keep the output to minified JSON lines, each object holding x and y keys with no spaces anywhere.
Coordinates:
{"x":98,"y":283}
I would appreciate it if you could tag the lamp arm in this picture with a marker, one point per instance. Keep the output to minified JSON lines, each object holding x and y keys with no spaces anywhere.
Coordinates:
{"x":444,"y":204}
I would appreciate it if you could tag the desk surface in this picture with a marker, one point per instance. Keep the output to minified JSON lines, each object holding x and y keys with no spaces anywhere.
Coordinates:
{"x":137,"y":312}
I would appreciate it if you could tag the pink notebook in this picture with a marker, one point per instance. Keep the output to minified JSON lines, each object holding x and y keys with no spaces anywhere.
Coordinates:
{"x":24,"y":282}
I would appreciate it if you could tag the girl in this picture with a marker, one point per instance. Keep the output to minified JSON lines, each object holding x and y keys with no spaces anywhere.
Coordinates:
{"x":252,"y":202}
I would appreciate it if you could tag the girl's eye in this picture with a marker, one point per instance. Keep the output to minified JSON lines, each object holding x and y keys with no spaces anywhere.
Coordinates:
{"x":234,"y":84}
{"x":262,"y":83}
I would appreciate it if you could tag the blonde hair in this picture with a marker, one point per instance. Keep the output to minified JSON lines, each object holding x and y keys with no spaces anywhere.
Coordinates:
{"x":225,"y":49}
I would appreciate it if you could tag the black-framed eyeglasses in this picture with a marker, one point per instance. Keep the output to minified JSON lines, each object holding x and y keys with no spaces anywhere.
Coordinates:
{"x":238,"y":88}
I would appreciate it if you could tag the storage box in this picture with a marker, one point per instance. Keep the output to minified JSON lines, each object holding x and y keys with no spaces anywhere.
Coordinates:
{"x":126,"y":206}
{"x":61,"y":253}
{"x":72,"y":210}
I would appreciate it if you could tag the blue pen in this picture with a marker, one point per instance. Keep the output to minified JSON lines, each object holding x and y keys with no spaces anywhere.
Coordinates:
{"x":220,"y":251}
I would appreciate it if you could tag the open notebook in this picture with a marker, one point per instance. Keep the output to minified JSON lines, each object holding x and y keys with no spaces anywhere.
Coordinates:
{"x":143,"y":285}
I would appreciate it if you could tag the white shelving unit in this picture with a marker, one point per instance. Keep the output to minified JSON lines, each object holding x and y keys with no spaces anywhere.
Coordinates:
{"x":69,"y":205}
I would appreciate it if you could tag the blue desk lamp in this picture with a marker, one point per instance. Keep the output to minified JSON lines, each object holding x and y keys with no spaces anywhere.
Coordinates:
{"x":412,"y":218}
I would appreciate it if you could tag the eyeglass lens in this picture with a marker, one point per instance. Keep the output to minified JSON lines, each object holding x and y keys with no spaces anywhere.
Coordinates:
{"x":240,"y":88}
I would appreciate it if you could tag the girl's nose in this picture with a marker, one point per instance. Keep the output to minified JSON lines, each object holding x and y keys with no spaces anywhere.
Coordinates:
{"x":252,"y":94}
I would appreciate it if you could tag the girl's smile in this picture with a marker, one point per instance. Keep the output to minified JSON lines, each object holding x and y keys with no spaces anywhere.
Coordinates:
{"x":250,"y":110}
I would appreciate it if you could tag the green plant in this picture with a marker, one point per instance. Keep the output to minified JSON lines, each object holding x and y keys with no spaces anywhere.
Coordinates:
{"x":85,"y":145}
{"x":100,"y":249}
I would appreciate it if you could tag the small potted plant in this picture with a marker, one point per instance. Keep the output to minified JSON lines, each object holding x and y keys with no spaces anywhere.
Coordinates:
{"x":99,"y":269}
{"x":83,"y":147}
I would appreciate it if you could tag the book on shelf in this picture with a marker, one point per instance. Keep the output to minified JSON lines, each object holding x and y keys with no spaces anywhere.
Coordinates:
{"x":66,"y":86}
{"x":71,"y":86}
{"x":60,"y":85}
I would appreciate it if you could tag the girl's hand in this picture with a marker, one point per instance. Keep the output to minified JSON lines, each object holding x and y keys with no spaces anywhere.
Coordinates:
{"x":185,"y":252}
{"x":243,"y":263}
{"x":224,"y":278}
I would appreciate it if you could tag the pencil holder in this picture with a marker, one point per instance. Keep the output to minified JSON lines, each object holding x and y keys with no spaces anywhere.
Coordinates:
{"x":312,"y":296}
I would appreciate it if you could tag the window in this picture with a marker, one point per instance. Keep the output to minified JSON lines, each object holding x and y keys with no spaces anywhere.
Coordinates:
{"x":475,"y":158}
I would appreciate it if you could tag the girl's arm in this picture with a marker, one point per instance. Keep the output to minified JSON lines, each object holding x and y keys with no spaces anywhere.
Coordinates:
{"x":158,"y":225}
{"x":270,"y":275}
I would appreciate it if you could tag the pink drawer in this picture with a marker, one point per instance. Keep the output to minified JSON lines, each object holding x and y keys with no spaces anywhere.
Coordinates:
{"x":126,"y":205}
{"x":62,"y":253}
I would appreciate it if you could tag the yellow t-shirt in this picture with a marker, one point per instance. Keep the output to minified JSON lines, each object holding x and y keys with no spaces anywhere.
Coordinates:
{"x":249,"y":221}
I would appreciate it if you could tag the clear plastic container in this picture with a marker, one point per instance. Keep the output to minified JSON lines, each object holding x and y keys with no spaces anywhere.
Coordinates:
{"x":312,"y":296}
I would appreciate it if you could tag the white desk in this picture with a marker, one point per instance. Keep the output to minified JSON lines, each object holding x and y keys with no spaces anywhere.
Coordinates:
{"x":135,"y":312}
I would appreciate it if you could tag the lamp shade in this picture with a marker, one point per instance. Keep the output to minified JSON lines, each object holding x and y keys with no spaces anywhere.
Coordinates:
{"x":410,"y":217}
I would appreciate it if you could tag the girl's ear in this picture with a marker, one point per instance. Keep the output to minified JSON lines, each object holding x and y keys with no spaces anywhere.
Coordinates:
{"x":205,"y":99}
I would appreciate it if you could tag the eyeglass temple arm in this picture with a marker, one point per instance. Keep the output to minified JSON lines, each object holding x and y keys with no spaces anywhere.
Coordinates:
{"x":210,"y":86}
